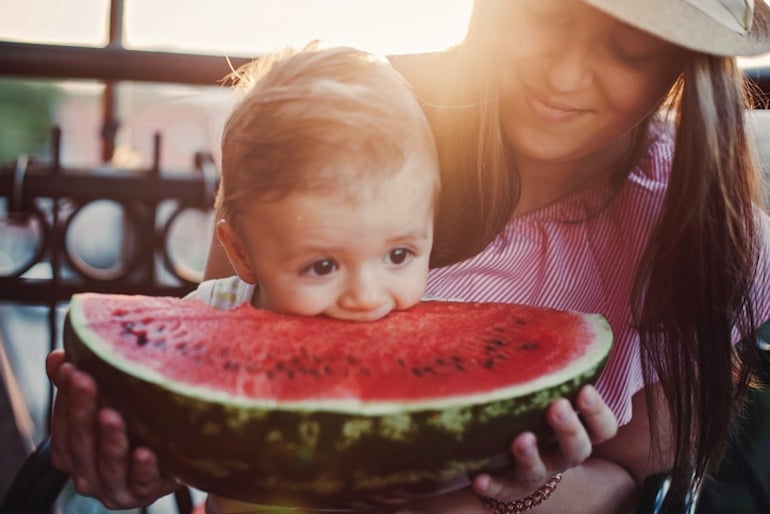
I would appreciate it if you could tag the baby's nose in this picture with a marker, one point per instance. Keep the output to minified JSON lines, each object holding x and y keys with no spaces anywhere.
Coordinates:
{"x":365,"y":291}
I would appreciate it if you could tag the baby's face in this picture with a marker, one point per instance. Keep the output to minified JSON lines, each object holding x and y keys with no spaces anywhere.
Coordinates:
{"x":355,"y":253}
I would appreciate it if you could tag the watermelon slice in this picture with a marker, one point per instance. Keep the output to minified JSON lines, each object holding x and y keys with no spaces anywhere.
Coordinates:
{"x":285,"y":410}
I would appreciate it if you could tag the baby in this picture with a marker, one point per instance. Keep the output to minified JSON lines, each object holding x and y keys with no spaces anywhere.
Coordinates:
{"x":329,"y":182}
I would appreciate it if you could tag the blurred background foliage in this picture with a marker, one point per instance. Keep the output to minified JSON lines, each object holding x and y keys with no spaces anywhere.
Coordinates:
{"x":25,"y":117}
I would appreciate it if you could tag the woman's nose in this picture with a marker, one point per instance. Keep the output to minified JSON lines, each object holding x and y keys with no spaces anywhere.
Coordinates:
{"x":569,"y":64}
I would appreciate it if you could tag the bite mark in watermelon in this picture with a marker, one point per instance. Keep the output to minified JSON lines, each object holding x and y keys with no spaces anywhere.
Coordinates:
{"x":268,"y":408}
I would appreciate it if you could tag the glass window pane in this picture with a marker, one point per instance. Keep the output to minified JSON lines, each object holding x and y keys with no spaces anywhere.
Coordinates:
{"x":250,"y":27}
{"x":78,"y":113}
{"x":188,"y":120}
{"x":68,"y":22}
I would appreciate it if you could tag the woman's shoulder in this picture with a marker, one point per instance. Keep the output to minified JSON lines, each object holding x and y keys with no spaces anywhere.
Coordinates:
{"x":420,"y":65}
{"x":426,"y":72}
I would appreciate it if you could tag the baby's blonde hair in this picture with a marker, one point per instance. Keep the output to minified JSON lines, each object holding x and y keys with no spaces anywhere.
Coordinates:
{"x":300,"y":112}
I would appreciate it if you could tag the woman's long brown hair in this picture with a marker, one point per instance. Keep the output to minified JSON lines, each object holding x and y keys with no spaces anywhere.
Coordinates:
{"x":693,"y":288}
{"x":692,"y":294}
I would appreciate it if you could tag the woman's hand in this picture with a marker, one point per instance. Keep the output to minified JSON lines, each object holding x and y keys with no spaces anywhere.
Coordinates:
{"x":534,"y":466}
{"x":91,"y":445}
{"x":575,"y":437}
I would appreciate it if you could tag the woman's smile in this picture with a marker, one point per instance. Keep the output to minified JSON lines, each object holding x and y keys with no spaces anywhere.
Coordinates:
{"x":550,"y":110}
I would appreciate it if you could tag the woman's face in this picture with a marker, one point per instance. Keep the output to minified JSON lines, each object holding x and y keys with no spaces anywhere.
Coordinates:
{"x":574,"y":80}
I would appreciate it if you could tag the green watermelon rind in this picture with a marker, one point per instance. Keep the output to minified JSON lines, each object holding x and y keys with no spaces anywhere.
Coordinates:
{"x":331,"y":454}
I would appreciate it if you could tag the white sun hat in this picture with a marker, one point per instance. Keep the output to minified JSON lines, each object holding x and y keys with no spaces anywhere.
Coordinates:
{"x":718,"y":27}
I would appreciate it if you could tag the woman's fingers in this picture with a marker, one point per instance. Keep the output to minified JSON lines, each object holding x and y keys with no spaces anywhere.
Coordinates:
{"x":528,"y":473}
{"x":574,"y":444}
{"x":80,"y":399}
{"x":92,"y":445}
{"x":574,"y":437}
{"x":112,"y":457}
{"x":600,"y":421}
{"x":146,"y":481}
{"x":53,"y":365}
{"x":530,"y":470}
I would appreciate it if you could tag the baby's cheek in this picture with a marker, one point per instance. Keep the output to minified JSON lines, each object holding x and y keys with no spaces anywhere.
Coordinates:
{"x":297,"y":301}
{"x":411,"y":292}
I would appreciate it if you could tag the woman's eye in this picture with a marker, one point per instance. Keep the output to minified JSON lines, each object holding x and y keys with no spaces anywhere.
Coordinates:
{"x":399,"y":255}
{"x":626,"y":57}
{"x":321,"y":267}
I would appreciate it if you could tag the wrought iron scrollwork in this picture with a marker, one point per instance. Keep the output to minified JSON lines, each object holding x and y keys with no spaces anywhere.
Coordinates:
{"x":148,"y":205}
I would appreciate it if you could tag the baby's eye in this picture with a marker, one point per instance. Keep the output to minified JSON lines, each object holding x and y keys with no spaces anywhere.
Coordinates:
{"x":399,"y":255}
{"x":321,"y":267}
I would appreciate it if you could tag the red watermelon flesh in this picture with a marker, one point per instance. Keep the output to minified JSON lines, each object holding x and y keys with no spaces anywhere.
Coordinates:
{"x":461,"y":349}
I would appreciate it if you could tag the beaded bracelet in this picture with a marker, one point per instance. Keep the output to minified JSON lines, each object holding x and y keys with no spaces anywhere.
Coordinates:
{"x":522,"y":504}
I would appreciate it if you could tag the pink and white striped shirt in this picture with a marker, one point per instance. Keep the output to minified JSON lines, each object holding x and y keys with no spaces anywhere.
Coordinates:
{"x":581,"y":253}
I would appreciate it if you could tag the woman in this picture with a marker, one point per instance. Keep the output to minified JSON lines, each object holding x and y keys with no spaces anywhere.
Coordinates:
{"x":563,"y":186}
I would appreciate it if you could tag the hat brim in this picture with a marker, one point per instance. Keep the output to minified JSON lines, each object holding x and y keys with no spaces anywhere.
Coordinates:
{"x":681,"y":23}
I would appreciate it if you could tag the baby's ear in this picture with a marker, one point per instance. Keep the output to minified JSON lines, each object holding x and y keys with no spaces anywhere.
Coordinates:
{"x":236,"y":251}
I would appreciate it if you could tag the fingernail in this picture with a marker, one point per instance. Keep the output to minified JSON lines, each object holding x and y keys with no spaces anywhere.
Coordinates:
{"x":81,"y":486}
{"x":482,"y":482}
{"x":527,"y":450}
{"x":589,"y":396}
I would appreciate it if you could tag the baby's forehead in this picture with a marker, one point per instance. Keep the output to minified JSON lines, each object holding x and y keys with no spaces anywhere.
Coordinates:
{"x":414,"y":168}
